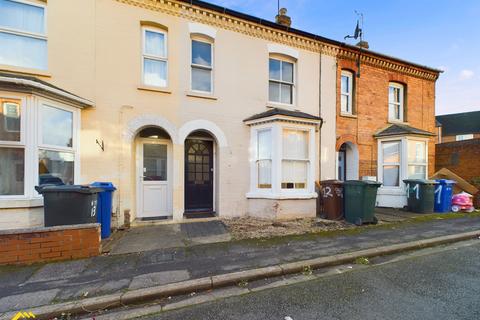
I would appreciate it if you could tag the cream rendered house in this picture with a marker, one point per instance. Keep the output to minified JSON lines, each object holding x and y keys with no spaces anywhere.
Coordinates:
{"x":190,"y":110}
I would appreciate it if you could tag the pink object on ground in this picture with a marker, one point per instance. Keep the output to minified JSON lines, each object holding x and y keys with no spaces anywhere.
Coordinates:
{"x":462,"y":201}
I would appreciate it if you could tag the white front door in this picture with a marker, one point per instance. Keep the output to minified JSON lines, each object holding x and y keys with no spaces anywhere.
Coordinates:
{"x":154,"y":159}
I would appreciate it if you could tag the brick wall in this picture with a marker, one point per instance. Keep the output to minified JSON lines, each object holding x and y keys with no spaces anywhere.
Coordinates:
{"x":461,"y":157}
{"x":454,"y":138}
{"x":34,"y":245}
{"x":370,"y":105}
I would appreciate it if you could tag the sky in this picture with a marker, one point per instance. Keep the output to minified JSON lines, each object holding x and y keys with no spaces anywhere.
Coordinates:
{"x":442,"y":34}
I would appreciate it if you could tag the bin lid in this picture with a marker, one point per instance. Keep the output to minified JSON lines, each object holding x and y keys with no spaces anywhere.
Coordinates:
{"x":420,"y":181}
{"x":106,"y":186}
{"x":67,"y":188}
{"x":332,"y":181}
{"x":363,"y":182}
{"x":446,"y":181}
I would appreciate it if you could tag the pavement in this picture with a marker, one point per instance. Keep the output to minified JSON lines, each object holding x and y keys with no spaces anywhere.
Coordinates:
{"x":440,"y":285}
{"x":30,"y":286}
{"x":167,"y":236}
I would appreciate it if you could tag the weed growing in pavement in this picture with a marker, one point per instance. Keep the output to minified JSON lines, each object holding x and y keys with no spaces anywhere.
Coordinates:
{"x":307,"y":270}
{"x":362,"y":260}
{"x":243,"y":284}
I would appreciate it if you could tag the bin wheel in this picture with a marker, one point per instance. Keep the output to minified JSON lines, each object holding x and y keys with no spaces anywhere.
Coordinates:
{"x":470,"y":210}
{"x":375,"y":220}
{"x":358,"y":222}
{"x":455,"y":209}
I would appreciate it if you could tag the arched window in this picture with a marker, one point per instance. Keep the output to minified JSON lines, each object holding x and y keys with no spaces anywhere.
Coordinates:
{"x":346,"y":92}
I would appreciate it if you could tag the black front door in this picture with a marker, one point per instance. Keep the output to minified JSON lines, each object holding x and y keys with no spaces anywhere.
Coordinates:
{"x":198,"y":176}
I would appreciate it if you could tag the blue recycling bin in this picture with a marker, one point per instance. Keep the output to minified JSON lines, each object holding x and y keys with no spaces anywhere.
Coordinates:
{"x":443,"y":195}
{"x":104,"y":206}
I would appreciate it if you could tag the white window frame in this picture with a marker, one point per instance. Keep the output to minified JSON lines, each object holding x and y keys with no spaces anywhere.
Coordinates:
{"x":382,"y":163}
{"x":18,"y":144}
{"x":276,"y":192}
{"x":199,"y":66}
{"x":46,"y":147}
{"x":293,"y":84}
{"x":30,"y":141}
{"x":153,"y":57}
{"x":418,"y":163}
{"x":34,"y":35}
{"x":463,"y":137}
{"x":305,"y":160}
{"x":348,"y":109}
{"x":401,"y":104}
{"x":403,"y":174}
{"x":258,"y":158}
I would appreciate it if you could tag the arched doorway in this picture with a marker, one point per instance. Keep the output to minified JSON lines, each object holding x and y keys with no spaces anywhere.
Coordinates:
{"x":347,"y":163}
{"x":154,"y":173}
{"x":200,"y":174}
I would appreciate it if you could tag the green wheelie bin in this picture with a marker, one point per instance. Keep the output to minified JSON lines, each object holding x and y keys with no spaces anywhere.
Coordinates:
{"x":360,"y":199}
{"x":420,"y":195}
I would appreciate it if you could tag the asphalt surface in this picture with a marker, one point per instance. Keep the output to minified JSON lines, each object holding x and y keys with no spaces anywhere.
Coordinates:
{"x":443,"y":285}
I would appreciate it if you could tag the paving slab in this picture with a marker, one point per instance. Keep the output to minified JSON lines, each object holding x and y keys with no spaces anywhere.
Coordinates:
{"x":59,"y":271}
{"x":27,"y":300}
{"x":158,"y":278}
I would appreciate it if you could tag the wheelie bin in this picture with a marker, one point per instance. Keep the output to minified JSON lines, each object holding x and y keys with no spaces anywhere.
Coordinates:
{"x":360,"y":199}
{"x":443,"y":195}
{"x":331,"y":192}
{"x":69,"y":204}
{"x":104,"y":216}
{"x":420,"y":195}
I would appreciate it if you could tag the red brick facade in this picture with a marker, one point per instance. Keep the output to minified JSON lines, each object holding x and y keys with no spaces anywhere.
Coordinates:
{"x":49,"y":244}
{"x":462,"y":158}
{"x":370,"y":109}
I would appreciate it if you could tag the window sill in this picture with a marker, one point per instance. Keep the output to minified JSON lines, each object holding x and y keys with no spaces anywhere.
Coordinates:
{"x":282,"y":196}
{"x":21,"y":203}
{"x":208,"y":96}
{"x":154,"y":89}
{"x":281,"y":105}
{"x":348,"y":115}
{"x":25,"y":71}
{"x":397,"y":122}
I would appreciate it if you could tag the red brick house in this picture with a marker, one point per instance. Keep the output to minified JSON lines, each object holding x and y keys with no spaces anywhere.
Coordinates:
{"x":385,"y":121}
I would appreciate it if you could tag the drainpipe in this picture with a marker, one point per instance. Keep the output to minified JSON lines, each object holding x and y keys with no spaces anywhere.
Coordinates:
{"x":320,"y":115}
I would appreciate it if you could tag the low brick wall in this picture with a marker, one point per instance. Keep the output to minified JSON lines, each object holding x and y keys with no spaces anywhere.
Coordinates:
{"x":26,"y":246}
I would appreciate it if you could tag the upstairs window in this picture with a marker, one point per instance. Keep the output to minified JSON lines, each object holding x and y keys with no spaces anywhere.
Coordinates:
{"x":395,"y":102}
{"x":281,"y":81}
{"x":461,"y":137}
{"x":23,"y":34}
{"x":202,"y":66}
{"x":346,"y":92}
{"x":155,"y":57}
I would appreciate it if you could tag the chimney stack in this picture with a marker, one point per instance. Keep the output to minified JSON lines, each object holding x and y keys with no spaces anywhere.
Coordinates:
{"x":282,"y":18}
{"x":363,"y":44}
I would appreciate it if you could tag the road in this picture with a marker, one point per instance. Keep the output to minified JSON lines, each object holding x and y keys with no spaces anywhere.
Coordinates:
{"x":444,"y":285}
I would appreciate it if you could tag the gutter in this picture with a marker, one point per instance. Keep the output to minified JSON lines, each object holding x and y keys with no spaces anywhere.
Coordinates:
{"x":34,"y":84}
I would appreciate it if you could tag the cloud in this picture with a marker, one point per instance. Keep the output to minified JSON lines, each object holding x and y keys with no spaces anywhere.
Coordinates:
{"x":466,"y":74}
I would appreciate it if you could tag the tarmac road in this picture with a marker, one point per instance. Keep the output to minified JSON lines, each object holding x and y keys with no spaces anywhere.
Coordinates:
{"x":444,"y":285}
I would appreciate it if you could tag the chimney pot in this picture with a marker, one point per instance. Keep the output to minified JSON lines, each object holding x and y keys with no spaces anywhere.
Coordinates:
{"x":282,"y":18}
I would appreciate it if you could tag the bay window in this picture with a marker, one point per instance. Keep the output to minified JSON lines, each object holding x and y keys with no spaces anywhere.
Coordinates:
{"x":264,"y":158}
{"x":155,"y":57}
{"x":395,"y":102}
{"x":281,"y":81}
{"x":295,"y":159}
{"x":202,"y":66}
{"x":402,"y":158}
{"x":391,"y":163}
{"x":23,"y":36}
{"x":283,"y":153}
{"x":417,"y":160}
{"x":42,"y":152}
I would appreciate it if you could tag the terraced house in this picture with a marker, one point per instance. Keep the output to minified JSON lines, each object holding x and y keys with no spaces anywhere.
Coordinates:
{"x":192,"y":110}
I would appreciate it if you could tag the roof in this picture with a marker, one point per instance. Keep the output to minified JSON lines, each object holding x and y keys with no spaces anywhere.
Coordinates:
{"x":283,"y":112}
{"x":267,"y":23}
{"x":30,"y":84}
{"x":460,"y":123}
{"x":401,"y":129}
